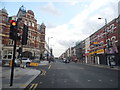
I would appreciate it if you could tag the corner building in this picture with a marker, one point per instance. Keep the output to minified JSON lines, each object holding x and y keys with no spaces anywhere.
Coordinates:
{"x":36,"y":35}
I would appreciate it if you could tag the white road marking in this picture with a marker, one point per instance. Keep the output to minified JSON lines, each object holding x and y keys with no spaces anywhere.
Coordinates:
{"x":65,"y":81}
{"x":111,"y":80}
{"x":43,"y":72}
{"x":41,"y":82}
{"x":89,"y":80}
{"x":49,"y":67}
{"x":76,"y":81}
{"x":99,"y":80}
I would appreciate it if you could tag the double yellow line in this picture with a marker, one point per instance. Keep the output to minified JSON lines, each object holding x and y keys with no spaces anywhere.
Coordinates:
{"x":43,"y":72}
{"x":33,"y":86}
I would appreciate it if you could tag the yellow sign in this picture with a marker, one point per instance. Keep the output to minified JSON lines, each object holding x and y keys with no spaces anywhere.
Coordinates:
{"x":34,"y":64}
{"x":92,"y":52}
{"x":10,"y":63}
{"x":100,"y":51}
{"x":95,"y":42}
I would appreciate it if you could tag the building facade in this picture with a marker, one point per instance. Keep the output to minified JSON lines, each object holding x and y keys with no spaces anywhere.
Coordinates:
{"x":80,"y":51}
{"x":104,"y":44}
{"x":36,"y":35}
{"x":87,"y":50}
{"x":102,"y":47}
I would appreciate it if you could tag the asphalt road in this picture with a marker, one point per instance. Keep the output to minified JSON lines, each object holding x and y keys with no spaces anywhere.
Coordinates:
{"x":74,"y":75}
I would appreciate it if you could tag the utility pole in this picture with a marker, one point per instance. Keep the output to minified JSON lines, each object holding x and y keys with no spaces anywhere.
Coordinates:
{"x":13,"y":64}
{"x":14,"y":36}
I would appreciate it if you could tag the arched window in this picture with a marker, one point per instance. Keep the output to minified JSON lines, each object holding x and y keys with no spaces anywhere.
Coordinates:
{"x":113,"y":40}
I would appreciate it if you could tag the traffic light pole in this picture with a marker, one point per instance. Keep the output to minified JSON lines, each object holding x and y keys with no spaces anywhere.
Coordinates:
{"x":13,"y":64}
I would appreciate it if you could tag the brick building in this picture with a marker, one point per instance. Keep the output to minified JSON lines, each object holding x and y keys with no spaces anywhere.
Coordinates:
{"x":104,"y":43}
{"x":36,"y":35}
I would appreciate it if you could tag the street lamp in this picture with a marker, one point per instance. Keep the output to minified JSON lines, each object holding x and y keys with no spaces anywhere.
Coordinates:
{"x":48,"y":42}
{"x":105,"y":29}
{"x":105,"y":20}
{"x":107,"y":43}
{"x":48,"y":48}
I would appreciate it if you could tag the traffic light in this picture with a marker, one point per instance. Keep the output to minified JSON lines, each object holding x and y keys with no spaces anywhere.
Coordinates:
{"x":13,"y":30}
{"x":25,"y":35}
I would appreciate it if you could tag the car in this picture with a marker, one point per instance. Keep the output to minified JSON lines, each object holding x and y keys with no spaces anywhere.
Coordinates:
{"x":25,"y":62}
{"x":66,"y":61}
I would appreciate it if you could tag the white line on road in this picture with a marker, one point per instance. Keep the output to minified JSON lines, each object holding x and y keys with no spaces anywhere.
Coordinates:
{"x":111,"y":80}
{"x":41,"y":82}
{"x":89,"y":80}
{"x":76,"y":81}
{"x":44,"y":73}
{"x":49,"y":67}
{"x":65,"y":81}
{"x":99,"y":80}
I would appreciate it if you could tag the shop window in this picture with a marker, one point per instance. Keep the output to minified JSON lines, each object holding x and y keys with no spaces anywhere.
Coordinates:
{"x":7,"y":54}
{"x":4,"y":56}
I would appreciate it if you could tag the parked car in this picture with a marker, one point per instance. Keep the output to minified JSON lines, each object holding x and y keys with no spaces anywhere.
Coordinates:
{"x":66,"y":61}
{"x":25,"y":62}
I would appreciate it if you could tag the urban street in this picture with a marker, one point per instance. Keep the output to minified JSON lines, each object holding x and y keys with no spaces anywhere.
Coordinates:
{"x":74,"y":75}
{"x":60,"y":44}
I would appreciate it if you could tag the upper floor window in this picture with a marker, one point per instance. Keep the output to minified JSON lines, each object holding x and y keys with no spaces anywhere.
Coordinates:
{"x":25,"y":23}
{"x":29,"y":24}
{"x":11,"y":42}
{"x":33,"y":25}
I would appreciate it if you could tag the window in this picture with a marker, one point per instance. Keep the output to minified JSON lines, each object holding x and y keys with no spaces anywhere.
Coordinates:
{"x":7,"y":54}
{"x":113,"y":40}
{"x":32,"y":24}
{"x":11,"y":42}
{"x":25,"y":23}
{"x":29,"y":24}
{"x":108,"y":42}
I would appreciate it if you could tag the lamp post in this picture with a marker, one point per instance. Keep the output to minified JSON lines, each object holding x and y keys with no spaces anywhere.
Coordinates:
{"x":48,"y":48}
{"x":48,"y":42}
{"x":107,"y":43}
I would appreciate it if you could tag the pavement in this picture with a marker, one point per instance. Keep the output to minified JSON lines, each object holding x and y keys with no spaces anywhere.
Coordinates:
{"x":22,"y":77}
{"x":104,"y":66}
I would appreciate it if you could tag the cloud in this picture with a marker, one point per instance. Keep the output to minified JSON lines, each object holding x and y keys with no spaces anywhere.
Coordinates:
{"x":88,"y":18}
{"x":82,"y":25}
{"x":50,"y":8}
{"x":50,"y":25}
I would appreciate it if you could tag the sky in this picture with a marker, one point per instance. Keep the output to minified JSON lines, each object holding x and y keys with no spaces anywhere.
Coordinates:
{"x":67,"y":21}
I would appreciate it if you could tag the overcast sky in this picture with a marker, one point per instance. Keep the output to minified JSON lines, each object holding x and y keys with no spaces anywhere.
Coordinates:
{"x":67,"y":21}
